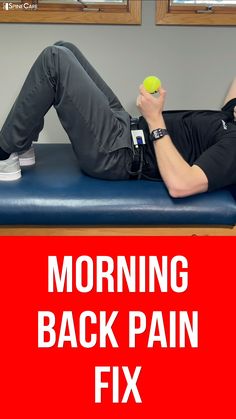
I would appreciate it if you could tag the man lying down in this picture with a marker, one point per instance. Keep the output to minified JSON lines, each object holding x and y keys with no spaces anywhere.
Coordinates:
{"x":191,"y":151}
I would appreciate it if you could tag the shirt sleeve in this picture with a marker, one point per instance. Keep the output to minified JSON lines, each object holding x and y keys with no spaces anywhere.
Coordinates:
{"x":219,"y":163}
{"x":229,"y":107}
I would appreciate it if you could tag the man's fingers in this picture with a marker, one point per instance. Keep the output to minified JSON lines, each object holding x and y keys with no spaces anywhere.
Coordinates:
{"x":143,"y":91}
{"x":162,"y":91}
{"x":138,"y":101}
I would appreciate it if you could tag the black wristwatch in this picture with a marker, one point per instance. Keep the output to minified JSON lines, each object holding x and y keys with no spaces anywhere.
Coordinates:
{"x":158,"y":133}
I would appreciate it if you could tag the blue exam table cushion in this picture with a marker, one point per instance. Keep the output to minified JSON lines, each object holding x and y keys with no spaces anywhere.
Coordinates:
{"x":56,"y":192}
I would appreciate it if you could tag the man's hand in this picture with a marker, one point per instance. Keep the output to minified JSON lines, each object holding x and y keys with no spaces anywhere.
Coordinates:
{"x":150,"y":106}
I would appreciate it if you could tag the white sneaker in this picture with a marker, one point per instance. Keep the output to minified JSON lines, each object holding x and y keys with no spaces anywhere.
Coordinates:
{"x":10,"y":168}
{"x":27,"y":158}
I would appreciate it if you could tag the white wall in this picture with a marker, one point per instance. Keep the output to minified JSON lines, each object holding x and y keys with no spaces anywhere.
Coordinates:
{"x":195,"y":64}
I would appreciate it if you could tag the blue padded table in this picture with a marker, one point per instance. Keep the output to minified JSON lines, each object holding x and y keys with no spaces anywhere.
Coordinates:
{"x":54,"y":195}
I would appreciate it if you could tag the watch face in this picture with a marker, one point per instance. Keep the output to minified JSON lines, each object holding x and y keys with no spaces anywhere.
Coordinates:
{"x":158,"y":133}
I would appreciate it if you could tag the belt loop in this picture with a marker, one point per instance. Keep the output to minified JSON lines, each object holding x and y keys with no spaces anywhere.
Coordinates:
{"x":134,"y":123}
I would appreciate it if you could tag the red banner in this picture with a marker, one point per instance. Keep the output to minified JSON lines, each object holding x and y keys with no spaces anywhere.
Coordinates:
{"x":117,"y":327}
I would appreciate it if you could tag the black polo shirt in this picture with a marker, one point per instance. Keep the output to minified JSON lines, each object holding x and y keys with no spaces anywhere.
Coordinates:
{"x":206,"y":139}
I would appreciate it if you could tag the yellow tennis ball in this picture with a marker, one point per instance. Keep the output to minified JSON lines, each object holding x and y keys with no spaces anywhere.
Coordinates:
{"x":152,"y":84}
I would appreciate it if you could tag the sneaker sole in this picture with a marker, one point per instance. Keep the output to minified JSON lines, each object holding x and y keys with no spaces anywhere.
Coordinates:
{"x":27,"y":161}
{"x":10,"y":176}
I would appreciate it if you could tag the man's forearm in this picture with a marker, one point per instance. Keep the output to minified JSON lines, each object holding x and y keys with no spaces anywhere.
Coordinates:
{"x":180,"y":178}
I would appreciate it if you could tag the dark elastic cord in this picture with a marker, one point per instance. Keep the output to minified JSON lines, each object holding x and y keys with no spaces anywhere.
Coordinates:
{"x":140,"y":164}
{"x":139,"y":173}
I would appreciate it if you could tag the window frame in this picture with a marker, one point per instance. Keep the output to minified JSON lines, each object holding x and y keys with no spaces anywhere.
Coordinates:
{"x":194,"y":15}
{"x":76,"y":14}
